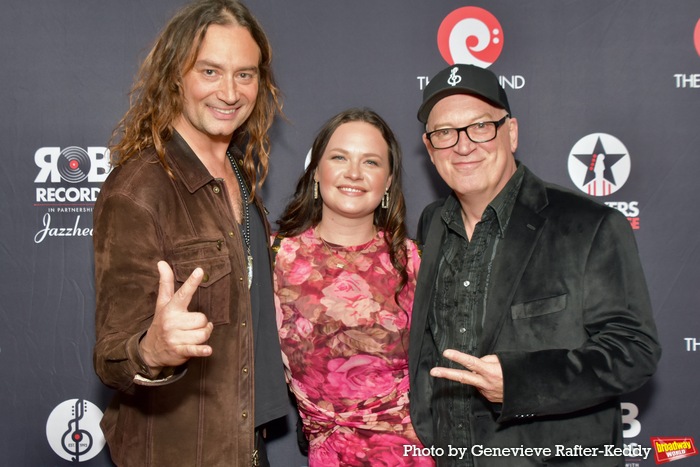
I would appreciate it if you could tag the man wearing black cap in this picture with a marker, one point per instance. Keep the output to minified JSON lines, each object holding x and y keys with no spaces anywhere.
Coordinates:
{"x":531,"y":315}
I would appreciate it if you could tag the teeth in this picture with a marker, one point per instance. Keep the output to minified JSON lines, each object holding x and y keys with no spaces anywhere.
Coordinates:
{"x":353,"y":190}
{"x":227,"y":112}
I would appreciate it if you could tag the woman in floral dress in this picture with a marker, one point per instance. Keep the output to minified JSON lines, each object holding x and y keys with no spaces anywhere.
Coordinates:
{"x":345,"y":275}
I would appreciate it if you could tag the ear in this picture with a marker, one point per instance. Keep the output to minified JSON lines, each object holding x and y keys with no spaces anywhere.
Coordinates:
{"x":513,"y":133}
{"x":388,"y":183}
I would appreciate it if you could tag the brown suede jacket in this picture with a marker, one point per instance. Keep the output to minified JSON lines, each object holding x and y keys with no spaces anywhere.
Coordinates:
{"x":200,"y":414}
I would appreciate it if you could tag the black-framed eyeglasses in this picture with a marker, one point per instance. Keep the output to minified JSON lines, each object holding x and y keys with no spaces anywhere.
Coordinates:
{"x":480,"y":132}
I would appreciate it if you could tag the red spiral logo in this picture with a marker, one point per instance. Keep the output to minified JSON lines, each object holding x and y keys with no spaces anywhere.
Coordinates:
{"x":470,"y":35}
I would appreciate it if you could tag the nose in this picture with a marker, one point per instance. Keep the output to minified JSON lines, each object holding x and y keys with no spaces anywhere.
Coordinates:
{"x":228,"y":91}
{"x":464,"y":144}
{"x":354,"y":170}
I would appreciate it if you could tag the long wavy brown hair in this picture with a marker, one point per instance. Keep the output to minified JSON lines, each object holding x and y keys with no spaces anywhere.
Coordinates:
{"x":303,"y":211}
{"x":156,"y":96}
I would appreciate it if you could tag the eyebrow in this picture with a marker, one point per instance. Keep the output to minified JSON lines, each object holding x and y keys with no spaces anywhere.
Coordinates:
{"x":346,"y":152}
{"x":212,"y":64}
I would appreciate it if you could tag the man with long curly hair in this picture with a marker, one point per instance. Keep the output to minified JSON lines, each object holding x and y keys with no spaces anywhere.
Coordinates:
{"x":185,"y":324}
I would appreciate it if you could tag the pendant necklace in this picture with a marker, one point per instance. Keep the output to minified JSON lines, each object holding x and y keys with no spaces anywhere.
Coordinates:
{"x":246,"y":217}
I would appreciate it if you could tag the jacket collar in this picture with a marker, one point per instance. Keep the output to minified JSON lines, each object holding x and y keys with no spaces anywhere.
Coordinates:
{"x":533,"y":192}
{"x":186,"y":165}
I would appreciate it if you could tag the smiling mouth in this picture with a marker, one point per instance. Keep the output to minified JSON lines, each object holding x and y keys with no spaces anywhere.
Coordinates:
{"x":224,"y":111}
{"x":470,"y":163}
{"x":348,"y":189}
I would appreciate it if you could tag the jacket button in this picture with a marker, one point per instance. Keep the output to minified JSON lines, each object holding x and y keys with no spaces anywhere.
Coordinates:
{"x":244,"y":414}
{"x":205,"y":278}
{"x":216,"y":189}
{"x":245,"y":370}
{"x":244,"y":324}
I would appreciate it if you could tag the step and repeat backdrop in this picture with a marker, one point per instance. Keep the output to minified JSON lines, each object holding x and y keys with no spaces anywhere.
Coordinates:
{"x":616,"y":78}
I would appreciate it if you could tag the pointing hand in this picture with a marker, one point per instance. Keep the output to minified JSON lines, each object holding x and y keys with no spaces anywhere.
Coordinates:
{"x":176,"y":334}
{"x":485,"y":373}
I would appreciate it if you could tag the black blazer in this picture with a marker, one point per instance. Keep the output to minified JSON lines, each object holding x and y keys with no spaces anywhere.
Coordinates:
{"x":569,"y":316}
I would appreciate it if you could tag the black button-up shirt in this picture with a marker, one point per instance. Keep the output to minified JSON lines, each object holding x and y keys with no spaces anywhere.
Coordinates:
{"x":458,"y":312}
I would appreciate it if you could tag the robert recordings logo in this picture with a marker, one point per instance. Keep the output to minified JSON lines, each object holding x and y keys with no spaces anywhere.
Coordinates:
{"x":72,"y":165}
{"x":68,"y":181}
{"x":73,"y":430}
{"x":470,"y":35}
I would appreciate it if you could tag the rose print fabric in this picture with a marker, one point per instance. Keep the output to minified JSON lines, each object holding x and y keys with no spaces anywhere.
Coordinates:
{"x":344,"y":345}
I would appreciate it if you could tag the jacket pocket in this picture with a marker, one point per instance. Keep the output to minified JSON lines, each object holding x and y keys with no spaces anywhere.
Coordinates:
{"x":539,"y":307}
{"x":213,"y":294}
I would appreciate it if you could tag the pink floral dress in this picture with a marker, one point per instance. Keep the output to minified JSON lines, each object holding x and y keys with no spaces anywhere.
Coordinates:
{"x":344,"y":346}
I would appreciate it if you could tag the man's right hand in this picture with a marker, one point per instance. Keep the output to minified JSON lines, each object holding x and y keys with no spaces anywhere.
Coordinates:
{"x":176,"y":334}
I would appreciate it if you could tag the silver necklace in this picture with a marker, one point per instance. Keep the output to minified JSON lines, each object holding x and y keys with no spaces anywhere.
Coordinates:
{"x":246,"y":217}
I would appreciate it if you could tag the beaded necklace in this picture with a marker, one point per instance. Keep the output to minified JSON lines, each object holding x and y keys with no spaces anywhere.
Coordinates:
{"x":246,"y":216}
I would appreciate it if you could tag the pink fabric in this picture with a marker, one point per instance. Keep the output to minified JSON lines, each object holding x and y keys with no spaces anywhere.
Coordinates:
{"x":344,"y":345}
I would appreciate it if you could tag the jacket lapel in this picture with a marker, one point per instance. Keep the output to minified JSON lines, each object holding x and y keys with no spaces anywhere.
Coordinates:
{"x":424,"y":293}
{"x":514,"y":251}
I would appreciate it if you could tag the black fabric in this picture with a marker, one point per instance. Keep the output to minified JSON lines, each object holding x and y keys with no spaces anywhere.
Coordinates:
{"x":261,"y":448}
{"x":569,"y":318}
{"x":270,"y":387}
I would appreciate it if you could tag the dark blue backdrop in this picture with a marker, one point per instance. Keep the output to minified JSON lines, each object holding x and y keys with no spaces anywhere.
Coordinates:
{"x":627,"y":72}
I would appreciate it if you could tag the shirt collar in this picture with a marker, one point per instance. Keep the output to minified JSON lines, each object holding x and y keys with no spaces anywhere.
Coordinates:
{"x":501,"y":206}
{"x":186,"y":165}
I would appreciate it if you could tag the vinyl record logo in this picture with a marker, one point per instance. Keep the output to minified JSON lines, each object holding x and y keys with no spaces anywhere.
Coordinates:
{"x":470,"y":35}
{"x":696,"y":37}
{"x":599,"y":164}
{"x":73,"y":164}
{"x":73,"y":430}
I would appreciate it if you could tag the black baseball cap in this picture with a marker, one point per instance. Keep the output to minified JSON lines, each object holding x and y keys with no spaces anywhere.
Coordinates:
{"x":462,"y":79}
